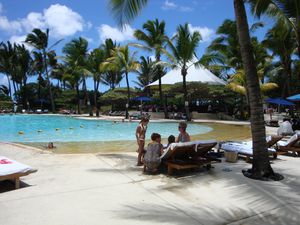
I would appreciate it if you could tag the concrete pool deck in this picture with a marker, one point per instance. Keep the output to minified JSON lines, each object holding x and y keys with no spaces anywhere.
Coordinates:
{"x":108,"y":189}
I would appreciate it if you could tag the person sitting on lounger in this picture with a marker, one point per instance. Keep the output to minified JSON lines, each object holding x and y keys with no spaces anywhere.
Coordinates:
{"x":183,"y":135}
{"x":152,"y":156}
{"x":285,"y":128}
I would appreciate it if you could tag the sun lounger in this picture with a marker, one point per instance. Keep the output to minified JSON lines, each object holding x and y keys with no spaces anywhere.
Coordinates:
{"x":188,"y":155}
{"x":291,"y":145}
{"x":245,"y":148}
{"x":13,"y":170}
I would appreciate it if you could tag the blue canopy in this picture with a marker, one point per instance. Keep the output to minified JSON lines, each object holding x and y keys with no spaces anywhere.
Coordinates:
{"x":279,"y":101}
{"x":294,"y":97}
{"x":142,"y":98}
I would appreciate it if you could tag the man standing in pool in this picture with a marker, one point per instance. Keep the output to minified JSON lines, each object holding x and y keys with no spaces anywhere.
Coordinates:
{"x":140,"y":135}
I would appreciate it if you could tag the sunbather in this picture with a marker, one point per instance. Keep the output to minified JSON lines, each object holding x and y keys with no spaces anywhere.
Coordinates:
{"x":140,"y":138}
{"x":183,"y":135}
{"x":152,"y":156}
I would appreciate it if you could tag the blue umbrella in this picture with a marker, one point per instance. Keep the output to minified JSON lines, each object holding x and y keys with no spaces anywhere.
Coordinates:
{"x":142,"y":98}
{"x":279,"y":101}
{"x":294,"y":98}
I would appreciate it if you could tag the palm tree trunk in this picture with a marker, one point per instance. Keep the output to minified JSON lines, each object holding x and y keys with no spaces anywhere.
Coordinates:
{"x":25,"y":94}
{"x":9,"y":86}
{"x":185,"y":98}
{"x":96,"y":98}
{"x":78,"y":99}
{"x":261,"y":165}
{"x":48,"y":82}
{"x":298,"y":33}
{"x":128,"y":95}
{"x":160,"y":88}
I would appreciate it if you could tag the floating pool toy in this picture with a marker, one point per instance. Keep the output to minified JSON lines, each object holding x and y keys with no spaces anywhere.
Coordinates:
{"x":57,"y":129}
{"x":39,"y":131}
{"x":81,"y":126}
{"x":71,"y":128}
{"x":21,"y":132}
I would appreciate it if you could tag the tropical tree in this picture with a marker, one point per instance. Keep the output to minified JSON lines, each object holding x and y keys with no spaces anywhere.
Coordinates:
{"x":95,"y":58}
{"x":76,"y":62}
{"x":184,"y":56}
{"x":112,"y":76}
{"x":155,"y":39}
{"x":123,"y":59}
{"x":39,"y":40}
{"x":145,"y":73}
{"x":280,"y":40}
{"x":261,"y":168}
{"x":288,"y":11}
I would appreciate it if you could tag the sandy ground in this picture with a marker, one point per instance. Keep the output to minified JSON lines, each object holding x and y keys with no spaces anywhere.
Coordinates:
{"x":108,"y":189}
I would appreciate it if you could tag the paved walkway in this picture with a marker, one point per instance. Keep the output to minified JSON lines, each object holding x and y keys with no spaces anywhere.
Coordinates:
{"x":108,"y":189}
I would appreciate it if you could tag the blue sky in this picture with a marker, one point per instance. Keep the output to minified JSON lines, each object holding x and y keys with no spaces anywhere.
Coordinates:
{"x":92,"y":20}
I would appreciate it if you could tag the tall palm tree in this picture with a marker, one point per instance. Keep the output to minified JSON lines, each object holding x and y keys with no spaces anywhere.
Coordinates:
{"x":39,"y":40}
{"x":111,"y":77}
{"x":261,"y":167}
{"x":76,"y":58}
{"x":39,"y":68}
{"x":155,"y":39}
{"x":122,"y":58}
{"x":284,"y":10}
{"x":145,"y":73}
{"x":95,"y":58}
{"x":184,"y":56}
{"x":280,"y":40}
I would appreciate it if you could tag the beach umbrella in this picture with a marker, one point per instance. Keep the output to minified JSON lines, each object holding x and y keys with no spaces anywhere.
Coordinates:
{"x":294,"y":98}
{"x":279,"y":101}
{"x":142,"y":99}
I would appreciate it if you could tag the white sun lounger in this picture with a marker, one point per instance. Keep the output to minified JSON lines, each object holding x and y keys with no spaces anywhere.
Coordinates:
{"x":13,"y":170}
{"x":245,"y":148}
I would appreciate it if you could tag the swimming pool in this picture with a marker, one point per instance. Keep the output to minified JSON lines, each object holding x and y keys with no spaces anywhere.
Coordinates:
{"x":46,"y":128}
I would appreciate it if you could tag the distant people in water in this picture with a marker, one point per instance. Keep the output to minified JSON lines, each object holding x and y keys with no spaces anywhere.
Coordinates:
{"x":285,"y":128}
{"x":183,"y":135}
{"x":50,"y":145}
{"x":152,"y":156}
{"x":140,"y":135}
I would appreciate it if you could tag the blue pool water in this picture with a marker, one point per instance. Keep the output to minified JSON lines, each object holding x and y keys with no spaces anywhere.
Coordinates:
{"x":46,"y":128}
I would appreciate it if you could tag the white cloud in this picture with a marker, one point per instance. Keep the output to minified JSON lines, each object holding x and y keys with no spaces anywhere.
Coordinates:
{"x":61,"y":20}
{"x":169,"y":5}
{"x":105,"y":31}
{"x":206,"y":33}
{"x":89,"y":25}
{"x":20,"y":40}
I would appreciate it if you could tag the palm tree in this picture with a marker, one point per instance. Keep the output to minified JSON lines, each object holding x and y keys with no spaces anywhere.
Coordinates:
{"x":95,"y":58}
{"x":111,"y":77}
{"x":284,"y":10}
{"x":39,"y":40}
{"x":184,"y":56}
{"x":75,"y":59}
{"x":155,"y":40}
{"x":281,"y":42}
{"x":39,"y":68}
{"x":127,"y":63}
{"x":261,"y":167}
{"x":145,"y":73}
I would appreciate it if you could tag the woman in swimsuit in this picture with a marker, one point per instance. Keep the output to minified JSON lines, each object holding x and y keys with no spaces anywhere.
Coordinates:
{"x":140,"y":138}
{"x":183,"y":135}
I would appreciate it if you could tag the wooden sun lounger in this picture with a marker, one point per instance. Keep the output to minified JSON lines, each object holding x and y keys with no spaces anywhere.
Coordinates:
{"x":291,"y":146}
{"x":8,"y":172}
{"x":181,"y":156}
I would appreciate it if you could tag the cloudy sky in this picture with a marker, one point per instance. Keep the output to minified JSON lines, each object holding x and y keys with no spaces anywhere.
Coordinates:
{"x":91,"y":19}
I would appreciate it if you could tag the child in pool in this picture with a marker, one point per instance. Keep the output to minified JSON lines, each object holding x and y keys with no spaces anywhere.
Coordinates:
{"x":152,"y":156}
